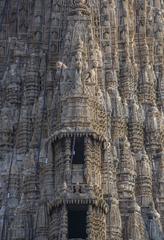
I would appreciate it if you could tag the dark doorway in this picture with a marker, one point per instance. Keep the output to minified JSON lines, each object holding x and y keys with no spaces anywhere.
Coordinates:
{"x":76,"y":224}
{"x":77,"y":147}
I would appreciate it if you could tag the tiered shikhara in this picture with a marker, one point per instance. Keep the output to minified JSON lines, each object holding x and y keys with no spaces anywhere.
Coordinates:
{"x":81,"y":120}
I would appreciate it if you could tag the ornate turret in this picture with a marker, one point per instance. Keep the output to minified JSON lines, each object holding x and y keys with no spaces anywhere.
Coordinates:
{"x":115,"y":222}
{"x":81,"y":119}
{"x":30,"y":181}
{"x":146,"y":86}
{"x":127,"y":167}
{"x":32,"y":83}
{"x":143,"y":180}
{"x":13,"y":190}
{"x":135,"y":126}
{"x":152,"y":131}
{"x":6,"y":129}
{"x":20,"y":223}
{"x":41,"y":229}
{"x":23,"y":130}
{"x":126,"y":175}
{"x":79,"y":132}
{"x":13,"y":86}
{"x":135,"y":224}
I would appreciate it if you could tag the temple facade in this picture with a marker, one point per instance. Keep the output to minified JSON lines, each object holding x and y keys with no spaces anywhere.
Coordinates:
{"x":81,"y":119}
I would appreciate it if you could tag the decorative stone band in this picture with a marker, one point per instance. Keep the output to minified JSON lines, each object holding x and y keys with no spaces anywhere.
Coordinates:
{"x":79,"y":6}
{"x":99,"y":203}
{"x":69,"y":132}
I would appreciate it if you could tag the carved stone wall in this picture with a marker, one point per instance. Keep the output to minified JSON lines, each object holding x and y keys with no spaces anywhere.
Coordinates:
{"x":88,"y":71}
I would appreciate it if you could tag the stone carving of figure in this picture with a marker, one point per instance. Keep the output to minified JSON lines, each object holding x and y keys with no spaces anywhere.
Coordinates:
{"x":71,"y":77}
{"x":99,"y":56}
{"x":91,"y":74}
{"x":101,"y":98}
{"x":62,"y":77}
{"x":73,"y":73}
{"x":152,"y":120}
{"x":158,"y":25}
{"x":149,"y":23}
{"x":60,"y":70}
{"x":134,"y":111}
{"x":145,"y":166}
{"x":77,"y":63}
{"x":37,"y":20}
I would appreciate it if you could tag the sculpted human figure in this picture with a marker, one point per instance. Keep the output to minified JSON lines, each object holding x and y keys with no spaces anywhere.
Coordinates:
{"x":152,"y":123}
{"x":72,"y":73}
{"x":60,"y":70}
{"x":13,"y":69}
{"x":98,"y":56}
{"x":158,"y":25}
{"x":78,"y":71}
{"x":91,"y":74}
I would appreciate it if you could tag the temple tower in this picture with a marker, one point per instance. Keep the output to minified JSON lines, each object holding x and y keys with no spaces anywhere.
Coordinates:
{"x":78,"y":139}
{"x":81,"y":120}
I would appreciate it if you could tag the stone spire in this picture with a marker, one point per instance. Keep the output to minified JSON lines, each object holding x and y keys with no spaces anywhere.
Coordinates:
{"x":19,"y":225}
{"x":41,"y":232}
{"x":81,"y":119}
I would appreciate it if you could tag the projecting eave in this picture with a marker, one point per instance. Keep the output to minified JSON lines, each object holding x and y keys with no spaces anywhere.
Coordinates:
{"x":79,"y":131}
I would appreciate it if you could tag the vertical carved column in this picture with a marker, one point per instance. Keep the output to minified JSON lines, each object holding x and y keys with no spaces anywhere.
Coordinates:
{"x":115,"y":223}
{"x":68,"y":161}
{"x":63,"y":235}
{"x":88,"y":163}
{"x":47,"y":174}
{"x":89,"y":223}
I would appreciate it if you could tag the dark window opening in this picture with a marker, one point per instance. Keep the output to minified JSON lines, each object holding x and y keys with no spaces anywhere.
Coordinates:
{"x":77,"y":224}
{"x":79,"y":190}
{"x":77,"y":147}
